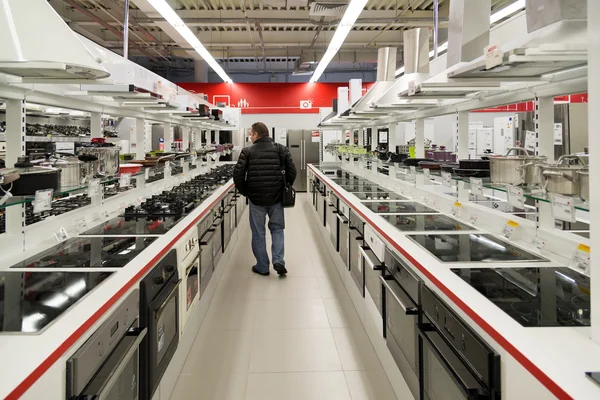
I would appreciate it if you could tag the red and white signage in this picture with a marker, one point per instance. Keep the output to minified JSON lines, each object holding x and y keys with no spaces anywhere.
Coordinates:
{"x":305,"y":104}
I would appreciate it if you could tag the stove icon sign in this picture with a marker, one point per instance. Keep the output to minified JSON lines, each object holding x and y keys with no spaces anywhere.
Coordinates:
{"x":306,"y":104}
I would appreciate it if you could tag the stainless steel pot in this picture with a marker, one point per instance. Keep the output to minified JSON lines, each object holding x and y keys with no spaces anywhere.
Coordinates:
{"x":562,"y":178}
{"x":107,"y":163}
{"x":531,"y":173}
{"x":71,"y":170}
{"x":584,"y":184}
{"x":508,"y":169}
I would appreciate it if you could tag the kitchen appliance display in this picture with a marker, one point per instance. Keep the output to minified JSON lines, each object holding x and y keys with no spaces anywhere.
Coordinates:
{"x":134,"y":226}
{"x":379,"y":195}
{"x":188,"y":253}
{"x":356,"y":228}
{"x":534,"y":296}
{"x":426,"y":222}
{"x":304,"y":150}
{"x":208,"y":242}
{"x":106,"y":366}
{"x":89,"y":252}
{"x":472,"y":247}
{"x":31,"y":301}
{"x":159,"y":313}
{"x":397,"y":207}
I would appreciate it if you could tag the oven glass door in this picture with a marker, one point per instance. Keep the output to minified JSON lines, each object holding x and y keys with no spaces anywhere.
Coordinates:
{"x":355,"y":259}
{"x":192,"y":282}
{"x":332,"y":225}
{"x":118,"y":378}
{"x":217,"y":241}
{"x":344,"y":238}
{"x":206,"y":259}
{"x":401,"y":332}
{"x":444,"y":374}
{"x":373,"y":270}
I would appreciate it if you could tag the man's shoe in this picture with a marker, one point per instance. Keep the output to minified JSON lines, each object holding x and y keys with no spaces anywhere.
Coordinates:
{"x":280,"y":269}
{"x":260,"y":273}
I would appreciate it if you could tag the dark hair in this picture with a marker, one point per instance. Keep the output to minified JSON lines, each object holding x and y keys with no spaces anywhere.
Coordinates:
{"x":260,"y":129}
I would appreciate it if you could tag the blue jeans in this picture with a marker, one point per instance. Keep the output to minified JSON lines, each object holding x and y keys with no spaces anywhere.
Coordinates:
{"x":258,"y":215}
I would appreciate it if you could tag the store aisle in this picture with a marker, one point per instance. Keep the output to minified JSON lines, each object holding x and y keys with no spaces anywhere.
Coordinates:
{"x":294,"y":338}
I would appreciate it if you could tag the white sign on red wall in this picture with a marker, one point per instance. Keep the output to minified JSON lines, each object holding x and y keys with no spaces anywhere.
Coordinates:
{"x":316,"y":136}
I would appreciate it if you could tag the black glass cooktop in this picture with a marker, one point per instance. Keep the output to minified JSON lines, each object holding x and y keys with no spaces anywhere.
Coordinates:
{"x":94,"y":252}
{"x":29,"y":301}
{"x":361,"y":187}
{"x":472,"y":247}
{"x":378,"y":195}
{"x":534,"y":296}
{"x":134,"y":226}
{"x":395,"y":207}
{"x":430,"y":222}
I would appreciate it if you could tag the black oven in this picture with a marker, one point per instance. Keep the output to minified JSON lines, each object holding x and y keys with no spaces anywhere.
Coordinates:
{"x":207,"y":244}
{"x":159,"y":313}
{"x":332,"y":221}
{"x":401,"y":310}
{"x":106,"y":366}
{"x":456,"y":363}
{"x":373,"y":272}
{"x":217,"y":247}
{"x":355,"y":242}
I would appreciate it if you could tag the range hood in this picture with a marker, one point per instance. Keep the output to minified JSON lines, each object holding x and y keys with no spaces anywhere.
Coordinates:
{"x":37,"y":43}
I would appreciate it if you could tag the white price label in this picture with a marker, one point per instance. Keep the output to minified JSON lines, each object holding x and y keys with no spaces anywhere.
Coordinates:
{"x":95,"y":188}
{"x":167,"y":168}
{"x":427,"y":174}
{"x":530,"y":141}
{"x":473,"y":219}
{"x":493,"y":56}
{"x":194,"y":159}
{"x":411,"y":88}
{"x":558,"y":134}
{"x":539,"y":244}
{"x":509,"y":229}
{"x":42,"y":200}
{"x":563,"y":208}
{"x":122,"y":207}
{"x":413,"y":170}
{"x":81,"y":225}
{"x":456,"y":208}
{"x":124,"y":180}
{"x":138,"y":201}
{"x":476,"y":186}
{"x":146,"y":173}
{"x":515,"y":197}
{"x":447,"y":179}
{"x":61,"y":235}
{"x":581,"y":259}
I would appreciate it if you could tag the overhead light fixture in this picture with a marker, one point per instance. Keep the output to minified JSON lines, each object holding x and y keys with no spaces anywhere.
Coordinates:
{"x":172,"y":18}
{"x":350,"y":16}
{"x":505,"y":12}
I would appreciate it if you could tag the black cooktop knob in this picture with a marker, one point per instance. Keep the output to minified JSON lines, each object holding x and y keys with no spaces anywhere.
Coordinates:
{"x":159,"y":280}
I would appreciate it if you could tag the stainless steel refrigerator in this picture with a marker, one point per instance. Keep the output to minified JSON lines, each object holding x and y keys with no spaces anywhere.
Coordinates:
{"x":304,"y":149}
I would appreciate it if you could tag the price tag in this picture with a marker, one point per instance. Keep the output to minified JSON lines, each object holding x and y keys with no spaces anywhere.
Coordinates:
{"x":539,"y":244}
{"x":581,"y":259}
{"x":42,"y":201}
{"x":447,"y":179}
{"x":95,"y":188}
{"x":167,"y":168}
{"x":81,"y":226}
{"x":473,"y":219}
{"x":563,"y":208}
{"x":476,"y":186}
{"x":515,"y":197}
{"x":493,"y":56}
{"x":124,"y":180}
{"x":194,"y":159}
{"x":509,"y":228}
{"x":456,"y":208}
{"x":413,"y":170}
{"x":412,"y":88}
{"x":146,"y":173}
{"x":122,"y":207}
{"x":138,"y":201}
{"x":61,"y":235}
{"x":427,"y":174}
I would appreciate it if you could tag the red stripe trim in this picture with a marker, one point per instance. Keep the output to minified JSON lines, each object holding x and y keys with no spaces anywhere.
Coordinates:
{"x":501,"y":340}
{"x":74,"y":337}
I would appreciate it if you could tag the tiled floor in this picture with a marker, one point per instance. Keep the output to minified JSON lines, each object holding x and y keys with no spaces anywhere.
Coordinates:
{"x":295,"y":338}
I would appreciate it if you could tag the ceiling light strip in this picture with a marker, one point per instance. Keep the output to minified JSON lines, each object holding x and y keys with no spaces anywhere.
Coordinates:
{"x":350,"y":16}
{"x":172,"y":18}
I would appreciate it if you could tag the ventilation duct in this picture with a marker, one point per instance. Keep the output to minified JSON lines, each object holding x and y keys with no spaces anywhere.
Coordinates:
{"x":468,"y":30}
{"x":328,"y":8}
{"x":416,"y":51}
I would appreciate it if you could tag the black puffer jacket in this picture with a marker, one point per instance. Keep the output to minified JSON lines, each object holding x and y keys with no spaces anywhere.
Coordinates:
{"x":257,"y":174}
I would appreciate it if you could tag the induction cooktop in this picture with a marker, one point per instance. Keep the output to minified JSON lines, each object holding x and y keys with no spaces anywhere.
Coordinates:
{"x":395,"y":207}
{"x":129,"y":226}
{"x":534,"y":296}
{"x":429,"y":222}
{"x":29,"y":301}
{"x":90,"y":252}
{"x":378,"y":195}
{"x":361,"y":187}
{"x":472,"y":247}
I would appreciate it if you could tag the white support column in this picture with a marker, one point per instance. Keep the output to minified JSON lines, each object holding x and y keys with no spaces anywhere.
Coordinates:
{"x":217,"y":139}
{"x":462,"y":133}
{"x":544,"y":127}
{"x":419,"y":138}
{"x":96,"y":125}
{"x":15,"y":131}
{"x":593,"y":14}
{"x":140,"y":139}
{"x":167,"y":135}
{"x":186,"y":138}
{"x":373,"y":139}
{"x":392,"y":140}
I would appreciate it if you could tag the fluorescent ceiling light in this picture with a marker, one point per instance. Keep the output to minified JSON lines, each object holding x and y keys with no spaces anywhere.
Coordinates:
{"x":505,"y":12}
{"x":172,"y":18}
{"x":350,"y":16}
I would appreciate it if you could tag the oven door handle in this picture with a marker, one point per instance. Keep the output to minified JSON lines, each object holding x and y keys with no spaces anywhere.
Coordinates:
{"x":114,"y":378}
{"x":191,"y":265}
{"x":370,"y":260}
{"x":472,"y":393}
{"x":407,"y":310}
{"x":169,"y":296}
{"x":204,"y":242}
{"x":342,"y":219}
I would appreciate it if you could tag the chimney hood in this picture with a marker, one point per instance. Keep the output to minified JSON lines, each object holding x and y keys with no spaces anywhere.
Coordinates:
{"x":37,"y":43}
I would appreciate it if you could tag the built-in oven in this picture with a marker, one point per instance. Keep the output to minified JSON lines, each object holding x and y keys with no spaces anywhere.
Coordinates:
{"x":320,"y":203}
{"x":207,"y":266}
{"x":355,"y":242}
{"x":240,"y":206}
{"x":401,"y":311}
{"x":159,"y":313}
{"x":456,"y":363}
{"x":106,"y":366}
{"x":373,"y":258}
{"x":332,"y":220}
{"x":228,"y":219}
{"x":189,"y":268}
{"x":344,"y":231}
{"x":217,"y":226}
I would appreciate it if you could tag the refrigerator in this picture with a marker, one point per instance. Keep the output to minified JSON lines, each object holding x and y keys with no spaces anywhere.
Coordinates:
{"x":304,"y":148}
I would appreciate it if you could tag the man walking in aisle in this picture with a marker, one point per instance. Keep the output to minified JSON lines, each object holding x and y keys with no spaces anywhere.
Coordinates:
{"x":258,"y":176}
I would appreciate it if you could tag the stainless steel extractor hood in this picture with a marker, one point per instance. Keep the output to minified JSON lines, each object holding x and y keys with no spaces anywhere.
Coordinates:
{"x":36,"y":43}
